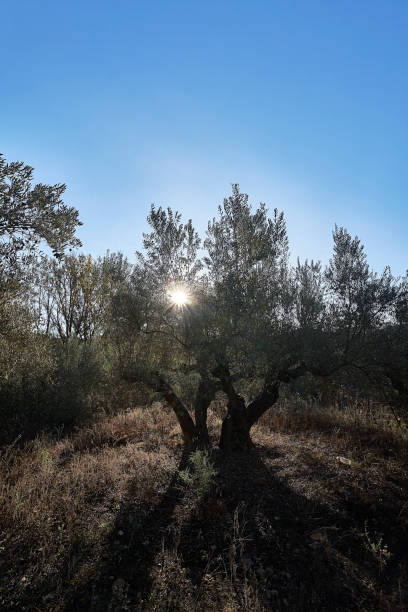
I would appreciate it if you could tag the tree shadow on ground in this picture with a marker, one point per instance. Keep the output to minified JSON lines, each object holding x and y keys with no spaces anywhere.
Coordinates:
{"x":314,"y":556}
{"x":130,"y":558}
{"x":297,"y":553}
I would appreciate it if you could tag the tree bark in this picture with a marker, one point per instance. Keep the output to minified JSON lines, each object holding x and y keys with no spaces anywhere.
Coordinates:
{"x":270,"y":393}
{"x":235,"y":428}
{"x":263,"y":402}
{"x":235,"y":434}
{"x":205,"y":394}
{"x":235,"y":431}
{"x":186,"y":423}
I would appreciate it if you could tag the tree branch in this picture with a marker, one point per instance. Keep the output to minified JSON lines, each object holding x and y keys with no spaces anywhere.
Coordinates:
{"x":205,"y":394}
{"x":236,"y":403}
{"x":160,"y":384}
{"x":268,"y":396}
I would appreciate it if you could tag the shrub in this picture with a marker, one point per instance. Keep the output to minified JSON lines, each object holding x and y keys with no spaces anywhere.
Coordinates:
{"x":49,"y":383}
{"x":200,"y":476}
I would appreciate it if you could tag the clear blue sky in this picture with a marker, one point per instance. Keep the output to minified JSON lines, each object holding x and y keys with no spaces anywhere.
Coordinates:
{"x":304,"y":103}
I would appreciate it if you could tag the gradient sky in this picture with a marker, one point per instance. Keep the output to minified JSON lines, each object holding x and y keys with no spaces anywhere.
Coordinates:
{"x":304,"y":103}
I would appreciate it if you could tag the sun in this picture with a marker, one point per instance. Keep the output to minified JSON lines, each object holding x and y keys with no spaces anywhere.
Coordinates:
{"x":179,"y":296}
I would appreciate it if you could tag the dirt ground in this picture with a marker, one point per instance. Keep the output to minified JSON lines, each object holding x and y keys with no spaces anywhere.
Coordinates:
{"x":315,"y":517}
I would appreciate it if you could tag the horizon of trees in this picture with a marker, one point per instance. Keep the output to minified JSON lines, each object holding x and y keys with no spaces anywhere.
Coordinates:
{"x":74,"y":329}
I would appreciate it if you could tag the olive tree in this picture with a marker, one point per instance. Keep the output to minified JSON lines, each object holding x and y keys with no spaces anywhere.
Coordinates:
{"x":215,"y":333}
{"x":249,"y":316}
{"x":31,"y":214}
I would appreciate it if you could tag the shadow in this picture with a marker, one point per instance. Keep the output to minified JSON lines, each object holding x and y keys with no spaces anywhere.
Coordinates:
{"x":146,"y":525}
{"x":253,"y":529}
{"x":300,"y":554}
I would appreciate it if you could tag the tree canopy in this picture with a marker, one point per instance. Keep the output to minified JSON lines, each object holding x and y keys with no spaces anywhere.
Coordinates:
{"x":254,"y":316}
{"x":31,"y":214}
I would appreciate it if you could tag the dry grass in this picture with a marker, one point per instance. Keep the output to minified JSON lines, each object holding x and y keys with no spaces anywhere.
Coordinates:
{"x":58,"y":497}
{"x":98,"y":521}
{"x":359,"y":428}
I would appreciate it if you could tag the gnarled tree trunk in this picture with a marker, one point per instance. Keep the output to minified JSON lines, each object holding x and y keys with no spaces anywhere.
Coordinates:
{"x":205,"y":394}
{"x":188,"y":429}
{"x":236,"y":434}
{"x":235,"y":430}
{"x":236,"y":427}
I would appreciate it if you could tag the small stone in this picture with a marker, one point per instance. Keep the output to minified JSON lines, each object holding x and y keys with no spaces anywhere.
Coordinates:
{"x":120,"y":533}
{"x":343,"y":460}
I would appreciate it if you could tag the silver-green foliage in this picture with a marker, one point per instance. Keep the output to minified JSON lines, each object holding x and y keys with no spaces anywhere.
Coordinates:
{"x":200,"y":476}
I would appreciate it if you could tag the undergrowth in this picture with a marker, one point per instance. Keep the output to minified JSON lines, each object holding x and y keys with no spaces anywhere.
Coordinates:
{"x":116,"y":516}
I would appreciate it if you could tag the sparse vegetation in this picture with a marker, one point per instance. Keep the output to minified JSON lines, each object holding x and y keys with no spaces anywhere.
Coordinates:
{"x":98,"y":519}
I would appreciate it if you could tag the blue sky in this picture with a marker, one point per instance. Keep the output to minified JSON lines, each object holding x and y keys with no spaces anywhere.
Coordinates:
{"x":304,"y":103}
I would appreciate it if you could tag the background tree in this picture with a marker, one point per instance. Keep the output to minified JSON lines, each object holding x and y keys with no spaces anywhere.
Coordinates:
{"x":31,"y":214}
{"x":73,"y":295}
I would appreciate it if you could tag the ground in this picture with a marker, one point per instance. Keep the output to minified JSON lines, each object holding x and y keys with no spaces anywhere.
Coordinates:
{"x":314,"y":518}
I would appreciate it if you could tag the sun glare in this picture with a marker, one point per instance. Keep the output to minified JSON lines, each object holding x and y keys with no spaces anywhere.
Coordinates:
{"x":179,"y":297}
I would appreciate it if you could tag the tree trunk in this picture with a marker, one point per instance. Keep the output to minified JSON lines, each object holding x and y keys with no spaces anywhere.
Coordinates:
{"x":235,"y":428}
{"x":205,"y":395}
{"x":238,"y":437}
{"x":234,"y":437}
{"x":186,"y":423}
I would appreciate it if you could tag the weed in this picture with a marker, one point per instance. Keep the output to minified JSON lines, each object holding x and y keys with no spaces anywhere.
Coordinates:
{"x":199,"y":478}
{"x":374,"y":544}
